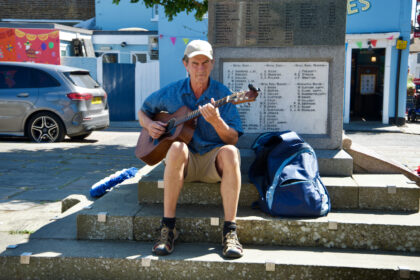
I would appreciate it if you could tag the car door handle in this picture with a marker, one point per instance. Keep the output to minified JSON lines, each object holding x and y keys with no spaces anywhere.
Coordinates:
{"x":23,"y":94}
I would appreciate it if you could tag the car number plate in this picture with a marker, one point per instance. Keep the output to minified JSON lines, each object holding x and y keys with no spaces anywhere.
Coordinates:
{"x":97,"y":100}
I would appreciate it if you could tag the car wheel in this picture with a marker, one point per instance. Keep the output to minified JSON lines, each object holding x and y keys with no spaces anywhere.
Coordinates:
{"x":80,"y":137}
{"x":45,"y":127}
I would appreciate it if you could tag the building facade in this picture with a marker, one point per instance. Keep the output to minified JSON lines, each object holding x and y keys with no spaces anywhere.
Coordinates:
{"x":166,"y":42}
{"x":377,"y":49}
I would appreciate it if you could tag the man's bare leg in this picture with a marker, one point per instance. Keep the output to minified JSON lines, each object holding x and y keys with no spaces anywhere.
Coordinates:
{"x":228,"y":165}
{"x":176,"y":163}
{"x":173,"y":179}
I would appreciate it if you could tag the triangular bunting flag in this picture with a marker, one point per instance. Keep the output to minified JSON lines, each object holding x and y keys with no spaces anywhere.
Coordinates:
{"x":161,"y":36}
{"x":173,"y":39}
{"x":359,"y":44}
{"x":374,"y":42}
{"x":390,"y":38}
{"x":186,"y":40}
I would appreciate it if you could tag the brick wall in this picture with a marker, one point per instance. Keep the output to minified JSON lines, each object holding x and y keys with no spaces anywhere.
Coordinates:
{"x":47,"y":9}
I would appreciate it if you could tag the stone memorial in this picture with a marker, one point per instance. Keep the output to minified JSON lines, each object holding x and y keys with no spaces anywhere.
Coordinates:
{"x":294,"y":50}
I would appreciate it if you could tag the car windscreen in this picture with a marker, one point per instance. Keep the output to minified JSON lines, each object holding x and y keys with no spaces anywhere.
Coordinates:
{"x":82,"y":79}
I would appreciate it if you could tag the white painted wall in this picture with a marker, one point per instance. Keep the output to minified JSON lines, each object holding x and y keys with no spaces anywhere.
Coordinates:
{"x":147,"y":82}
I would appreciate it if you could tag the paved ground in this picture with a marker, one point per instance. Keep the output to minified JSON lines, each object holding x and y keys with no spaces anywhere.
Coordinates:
{"x":34,"y":178}
{"x":59,"y":168}
{"x":401,"y":144}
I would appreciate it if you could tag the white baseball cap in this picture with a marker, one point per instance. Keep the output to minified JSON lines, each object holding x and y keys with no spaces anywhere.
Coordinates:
{"x":197,"y":47}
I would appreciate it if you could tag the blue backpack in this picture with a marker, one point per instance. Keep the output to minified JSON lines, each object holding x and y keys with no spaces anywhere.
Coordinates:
{"x":285,"y":173}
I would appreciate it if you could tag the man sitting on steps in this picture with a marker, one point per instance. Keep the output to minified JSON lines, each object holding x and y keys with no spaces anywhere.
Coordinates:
{"x":210,"y":156}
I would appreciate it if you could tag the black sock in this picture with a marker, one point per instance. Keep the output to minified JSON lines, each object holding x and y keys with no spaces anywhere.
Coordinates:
{"x":169,"y":222}
{"x":228,"y":226}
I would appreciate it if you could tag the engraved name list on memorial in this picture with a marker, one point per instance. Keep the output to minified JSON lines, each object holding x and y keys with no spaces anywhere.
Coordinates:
{"x":294,"y":95}
{"x":276,"y":23}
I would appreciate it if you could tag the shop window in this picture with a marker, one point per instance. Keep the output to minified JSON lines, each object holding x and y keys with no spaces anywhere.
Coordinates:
{"x":154,"y":48}
{"x":139,"y":57}
{"x":108,"y":57}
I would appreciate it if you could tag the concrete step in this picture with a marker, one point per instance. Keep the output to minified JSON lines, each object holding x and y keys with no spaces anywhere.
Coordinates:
{"x":373,"y":192}
{"x":330,"y":162}
{"x":118,"y":216}
{"x":75,"y":259}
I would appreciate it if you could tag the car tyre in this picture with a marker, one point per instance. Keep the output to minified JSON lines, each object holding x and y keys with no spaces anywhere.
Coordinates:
{"x":80,"y":137}
{"x":45,"y":127}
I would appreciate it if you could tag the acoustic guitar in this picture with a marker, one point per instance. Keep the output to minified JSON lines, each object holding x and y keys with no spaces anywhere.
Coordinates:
{"x":180,"y":127}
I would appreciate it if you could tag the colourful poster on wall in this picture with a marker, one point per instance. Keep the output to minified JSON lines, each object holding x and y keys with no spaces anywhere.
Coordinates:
{"x":35,"y":45}
{"x":7,"y":44}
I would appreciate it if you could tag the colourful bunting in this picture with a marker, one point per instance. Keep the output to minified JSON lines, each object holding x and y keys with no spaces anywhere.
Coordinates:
{"x":359,"y":44}
{"x":390,"y":38}
{"x":374,"y":42}
{"x":184,"y":39}
{"x":44,"y":36}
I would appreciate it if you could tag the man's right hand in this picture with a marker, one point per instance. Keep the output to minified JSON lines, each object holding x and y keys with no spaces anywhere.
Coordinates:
{"x":156,"y":129}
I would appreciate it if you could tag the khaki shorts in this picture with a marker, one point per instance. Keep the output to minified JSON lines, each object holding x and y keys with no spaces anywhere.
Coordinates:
{"x":202,"y":168}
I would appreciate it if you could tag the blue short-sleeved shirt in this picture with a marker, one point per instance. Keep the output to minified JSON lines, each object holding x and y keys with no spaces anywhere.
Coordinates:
{"x":178,"y":94}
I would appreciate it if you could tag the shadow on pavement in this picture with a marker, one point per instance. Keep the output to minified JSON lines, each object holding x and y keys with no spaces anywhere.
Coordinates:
{"x":51,"y":173}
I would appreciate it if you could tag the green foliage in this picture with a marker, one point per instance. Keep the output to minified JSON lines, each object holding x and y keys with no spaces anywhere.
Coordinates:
{"x":174,"y":7}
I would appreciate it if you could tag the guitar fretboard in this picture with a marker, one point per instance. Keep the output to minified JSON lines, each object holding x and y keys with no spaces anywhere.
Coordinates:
{"x":196,"y":113}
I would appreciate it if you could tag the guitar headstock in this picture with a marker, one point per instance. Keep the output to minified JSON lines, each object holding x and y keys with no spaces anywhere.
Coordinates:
{"x":244,"y":96}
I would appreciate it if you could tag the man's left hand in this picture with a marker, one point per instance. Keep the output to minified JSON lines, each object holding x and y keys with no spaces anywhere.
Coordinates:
{"x":210,"y":113}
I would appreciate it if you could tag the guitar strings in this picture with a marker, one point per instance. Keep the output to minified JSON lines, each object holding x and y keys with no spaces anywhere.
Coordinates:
{"x":194,"y":114}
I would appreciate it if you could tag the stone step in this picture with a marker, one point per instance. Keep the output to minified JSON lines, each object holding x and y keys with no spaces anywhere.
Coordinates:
{"x":75,"y":259}
{"x":373,"y":192}
{"x":124,"y":219}
{"x":330,"y":162}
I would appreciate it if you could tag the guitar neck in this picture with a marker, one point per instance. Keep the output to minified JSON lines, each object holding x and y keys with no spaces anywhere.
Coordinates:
{"x":194,"y":114}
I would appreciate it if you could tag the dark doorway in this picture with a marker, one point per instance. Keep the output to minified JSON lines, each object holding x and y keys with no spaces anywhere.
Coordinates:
{"x":367,"y":84}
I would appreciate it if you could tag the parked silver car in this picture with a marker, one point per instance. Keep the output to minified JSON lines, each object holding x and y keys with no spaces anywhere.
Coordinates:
{"x":46,"y":102}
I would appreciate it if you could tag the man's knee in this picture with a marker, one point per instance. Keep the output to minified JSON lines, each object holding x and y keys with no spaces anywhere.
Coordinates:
{"x":177,"y":151}
{"x":228,"y":156}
